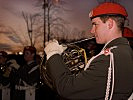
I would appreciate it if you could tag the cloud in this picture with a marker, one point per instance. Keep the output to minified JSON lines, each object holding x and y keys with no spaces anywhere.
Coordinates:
{"x":14,"y":39}
{"x":5,"y":47}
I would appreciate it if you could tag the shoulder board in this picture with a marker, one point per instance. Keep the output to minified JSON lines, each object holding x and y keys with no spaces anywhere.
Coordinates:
{"x":107,"y":51}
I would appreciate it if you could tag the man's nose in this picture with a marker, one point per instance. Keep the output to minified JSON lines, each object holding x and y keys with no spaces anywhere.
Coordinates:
{"x":92,"y":31}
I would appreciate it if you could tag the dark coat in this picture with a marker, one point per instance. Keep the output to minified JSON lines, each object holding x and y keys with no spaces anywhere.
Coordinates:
{"x":91,"y":84}
{"x":30,"y":74}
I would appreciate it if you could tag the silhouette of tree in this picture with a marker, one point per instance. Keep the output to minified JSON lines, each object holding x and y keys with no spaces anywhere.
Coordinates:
{"x":31,"y":23}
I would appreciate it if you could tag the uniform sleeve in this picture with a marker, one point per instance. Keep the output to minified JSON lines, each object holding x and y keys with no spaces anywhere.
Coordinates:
{"x":87,"y":84}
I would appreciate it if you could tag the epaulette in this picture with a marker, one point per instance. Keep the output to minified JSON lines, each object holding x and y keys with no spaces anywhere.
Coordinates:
{"x":106,"y":51}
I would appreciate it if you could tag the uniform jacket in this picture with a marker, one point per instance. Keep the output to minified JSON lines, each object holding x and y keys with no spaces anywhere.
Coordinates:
{"x":26,"y":81}
{"x":91,"y":83}
{"x":28,"y":73}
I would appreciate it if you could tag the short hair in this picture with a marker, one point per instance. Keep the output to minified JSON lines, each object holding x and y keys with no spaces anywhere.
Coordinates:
{"x":120,"y":20}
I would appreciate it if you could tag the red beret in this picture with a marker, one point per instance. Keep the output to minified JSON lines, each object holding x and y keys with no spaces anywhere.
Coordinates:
{"x":30,"y":48}
{"x":108,"y":8}
{"x":3,"y":53}
{"x":127,"y":32}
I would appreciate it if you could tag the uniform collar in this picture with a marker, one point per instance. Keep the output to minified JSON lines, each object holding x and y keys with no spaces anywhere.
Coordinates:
{"x":117,"y":41}
{"x":30,"y":62}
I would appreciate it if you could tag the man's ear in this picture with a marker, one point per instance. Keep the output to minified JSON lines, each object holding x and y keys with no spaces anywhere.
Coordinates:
{"x":110,"y":23}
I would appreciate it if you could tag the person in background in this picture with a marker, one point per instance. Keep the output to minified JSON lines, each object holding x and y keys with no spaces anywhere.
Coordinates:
{"x":27,"y":77}
{"x":106,"y":76}
{"x":128,"y":33}
{"x":7,"y":68}
{"x":38,"y":59}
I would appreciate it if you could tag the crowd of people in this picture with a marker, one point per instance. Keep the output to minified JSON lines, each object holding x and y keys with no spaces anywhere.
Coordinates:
{"x":20,"y":77}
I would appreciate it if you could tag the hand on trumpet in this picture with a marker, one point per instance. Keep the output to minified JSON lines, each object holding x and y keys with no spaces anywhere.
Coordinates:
{"x":53,"y":47}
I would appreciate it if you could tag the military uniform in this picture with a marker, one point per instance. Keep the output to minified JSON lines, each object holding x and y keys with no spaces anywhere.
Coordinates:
{"x":91,"y":84}
{"x":4,"y":87}
{"x":27,"y":78}
{"x":7,"y":69}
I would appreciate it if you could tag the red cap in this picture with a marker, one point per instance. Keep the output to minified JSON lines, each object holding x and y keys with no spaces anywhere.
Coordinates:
{"x":108,"y":8}
{"x":3,"y":53}
{"x":30,"y":48}
{"x":127,"y":32}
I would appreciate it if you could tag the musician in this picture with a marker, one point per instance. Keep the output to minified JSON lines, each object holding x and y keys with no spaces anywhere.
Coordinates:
{"x":128,"y":33}
{"x":7,"y":68}
{"x":27,"y":77}
{"x":108,"y":75}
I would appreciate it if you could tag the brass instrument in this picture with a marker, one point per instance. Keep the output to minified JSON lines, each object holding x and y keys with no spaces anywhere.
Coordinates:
{"x":3,"y":67}
{"x":45,"y":79}
{"x":5,"y":70}
{"x":74,"y":57}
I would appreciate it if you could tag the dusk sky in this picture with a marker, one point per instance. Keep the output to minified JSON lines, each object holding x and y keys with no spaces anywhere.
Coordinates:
{"x":10,"y":16}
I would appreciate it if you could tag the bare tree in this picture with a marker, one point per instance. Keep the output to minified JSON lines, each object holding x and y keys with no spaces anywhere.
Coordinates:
{"x":31,"y":22}
{"x":52,"y":21}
